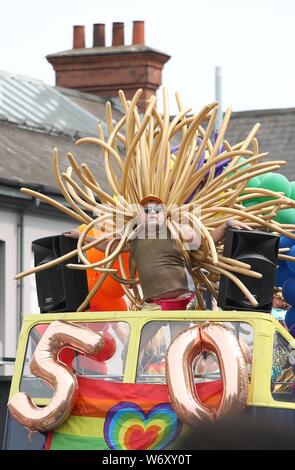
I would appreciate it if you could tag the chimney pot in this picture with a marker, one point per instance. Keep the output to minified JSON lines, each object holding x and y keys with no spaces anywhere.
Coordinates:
{"x":118,"y":34}
{"x":138,"y":32}
{"x":99,"y":35}
{"x":106,"y":70}
{"x":78,"y":37}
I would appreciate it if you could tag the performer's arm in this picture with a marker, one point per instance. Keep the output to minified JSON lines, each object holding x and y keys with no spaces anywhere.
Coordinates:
{"x":219,"y":233}
{"x":190,"y":236}
{"x":100,"y":246}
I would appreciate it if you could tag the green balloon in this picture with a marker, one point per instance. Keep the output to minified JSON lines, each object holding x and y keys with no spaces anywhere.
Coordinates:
{"x":292,"y":192}
{"x":250,"y":202}
{"x":262,"y":177}
{"x":277,"y":183}
{"x":285,"y":216}
{"x":254,"y":182}
{"x":241,"y":159}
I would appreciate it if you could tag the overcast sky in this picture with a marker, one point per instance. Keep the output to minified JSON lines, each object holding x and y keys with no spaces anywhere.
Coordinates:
{"x":253,"y":42}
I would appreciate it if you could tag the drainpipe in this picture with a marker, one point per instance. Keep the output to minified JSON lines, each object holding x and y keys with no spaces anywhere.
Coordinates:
{"x":20,"y":268}
{"x":218,"y":97}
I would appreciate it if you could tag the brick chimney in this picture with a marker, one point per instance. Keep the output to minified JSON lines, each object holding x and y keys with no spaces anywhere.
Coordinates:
{"x":104,"y":70}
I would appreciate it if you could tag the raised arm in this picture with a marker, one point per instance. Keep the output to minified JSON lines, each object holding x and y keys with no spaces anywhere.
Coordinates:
{"x":190,"y":236}
{"x":219,"y":233}
{"x":75,"y":234}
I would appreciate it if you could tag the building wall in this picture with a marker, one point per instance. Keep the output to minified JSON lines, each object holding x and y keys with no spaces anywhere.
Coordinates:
{"x":34,"y":227}
{"x":8,"y":322}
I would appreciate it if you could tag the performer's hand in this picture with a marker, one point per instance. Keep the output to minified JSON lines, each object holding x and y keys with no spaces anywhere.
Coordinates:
{"x":72,"y":234}
{"x":237,"y":224}
{"x":190,"y":237}
{"x":219,"y":233}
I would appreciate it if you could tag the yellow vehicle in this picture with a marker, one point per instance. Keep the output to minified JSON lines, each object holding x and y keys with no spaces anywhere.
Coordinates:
{"x":139,"y":345}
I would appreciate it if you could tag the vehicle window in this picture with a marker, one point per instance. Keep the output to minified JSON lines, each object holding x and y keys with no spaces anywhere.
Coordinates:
{"x":282,"y":375}
{"x":109,"y":366}
{"x":156,"y":338}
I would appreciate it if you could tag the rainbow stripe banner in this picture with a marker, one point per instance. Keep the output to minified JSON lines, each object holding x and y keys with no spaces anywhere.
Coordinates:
{"x":123,"y":416}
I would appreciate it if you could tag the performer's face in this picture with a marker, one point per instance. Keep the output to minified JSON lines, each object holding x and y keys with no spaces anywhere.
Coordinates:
{"x":153,"y":214}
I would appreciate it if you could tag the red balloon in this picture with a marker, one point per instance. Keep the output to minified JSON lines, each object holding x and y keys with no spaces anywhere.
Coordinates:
{"x":90,"y":365}
{"x":109,"y":348}
{"x":88,"y":362}
{"x":66,"y":356}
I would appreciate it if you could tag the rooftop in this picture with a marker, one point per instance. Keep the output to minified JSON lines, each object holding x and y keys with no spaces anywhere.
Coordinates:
{"x":34,"y":105}
{"x":35,"y":118}
{"x":95,"y":51}
{"x":276,"y":134}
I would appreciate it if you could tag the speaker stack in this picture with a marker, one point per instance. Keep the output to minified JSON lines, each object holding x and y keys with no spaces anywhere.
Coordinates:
{"x":260,"y":251}
{"x":59,"y":289}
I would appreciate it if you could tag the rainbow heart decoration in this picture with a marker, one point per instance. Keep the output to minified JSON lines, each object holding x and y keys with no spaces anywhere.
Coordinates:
{"x":128,"y":427}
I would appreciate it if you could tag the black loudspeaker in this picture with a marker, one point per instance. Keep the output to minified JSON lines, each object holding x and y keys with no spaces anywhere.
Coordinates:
{"x":59,"y":289}
{"x":260,"y":251}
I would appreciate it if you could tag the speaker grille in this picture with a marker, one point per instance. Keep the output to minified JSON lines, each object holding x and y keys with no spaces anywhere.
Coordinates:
{"x":59,"y":289}
{"x":260,"y":251}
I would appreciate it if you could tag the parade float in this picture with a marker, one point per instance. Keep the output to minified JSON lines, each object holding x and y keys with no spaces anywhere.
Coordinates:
{"x":114,"y":376}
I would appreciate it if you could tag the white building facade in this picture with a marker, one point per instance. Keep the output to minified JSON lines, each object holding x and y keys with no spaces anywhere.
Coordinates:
{"x":18,"y":228}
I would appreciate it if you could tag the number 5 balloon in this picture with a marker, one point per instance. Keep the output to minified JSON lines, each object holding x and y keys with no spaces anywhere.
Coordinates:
{"x":179,"y":372}
{"x":45,"y":365}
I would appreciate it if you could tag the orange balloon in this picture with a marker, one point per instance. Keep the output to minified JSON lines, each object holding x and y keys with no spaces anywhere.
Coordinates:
{"x":119,"y":304}
{"x":110,"y":287}
{"x":91,"y":278}
{"x":94,"y":255}
{"x":125,"y":259}
{"x":102,"y":303}
{"x":82,"y":227}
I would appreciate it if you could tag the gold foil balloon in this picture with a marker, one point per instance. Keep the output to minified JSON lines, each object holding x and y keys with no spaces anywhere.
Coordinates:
{"x":179,"y":372}
{"x":45,"y":365}
{"x":140,"y":160}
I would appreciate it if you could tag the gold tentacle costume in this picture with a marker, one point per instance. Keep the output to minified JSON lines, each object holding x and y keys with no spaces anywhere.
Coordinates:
{"x":141,"y":159}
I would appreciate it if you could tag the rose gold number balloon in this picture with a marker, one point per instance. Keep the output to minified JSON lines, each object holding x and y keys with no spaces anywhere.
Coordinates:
{"x":46,"y":366}
{"x":179,"y":372}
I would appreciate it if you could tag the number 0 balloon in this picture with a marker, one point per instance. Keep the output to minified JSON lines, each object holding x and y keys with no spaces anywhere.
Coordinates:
{"x":179,"y":372}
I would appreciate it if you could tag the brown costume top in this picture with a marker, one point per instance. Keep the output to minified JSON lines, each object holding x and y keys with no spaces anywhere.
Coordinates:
{"x":160,"y":266}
